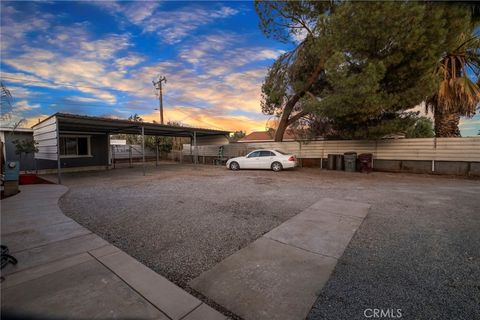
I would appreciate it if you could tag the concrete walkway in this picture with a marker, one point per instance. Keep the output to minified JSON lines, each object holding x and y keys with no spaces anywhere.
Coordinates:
{"x":65,"y":271}
{"x":280,"y":275}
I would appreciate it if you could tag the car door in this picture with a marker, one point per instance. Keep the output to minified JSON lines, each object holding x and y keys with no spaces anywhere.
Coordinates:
{"x":252,"y":160}
{"x":266,"y":159}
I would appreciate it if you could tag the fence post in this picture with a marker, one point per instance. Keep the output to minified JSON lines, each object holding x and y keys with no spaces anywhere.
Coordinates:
{"x":143,"y":150}
{"x":156,"y":161}
{"x":113,"y":156}
{"x":191,"y":148}
{"x":195,"y":146}
{"x":59,"y":163}
{"x":130,"y":156}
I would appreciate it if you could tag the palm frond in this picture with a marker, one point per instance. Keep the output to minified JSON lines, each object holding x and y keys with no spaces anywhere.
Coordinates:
{"x":457,"y":93}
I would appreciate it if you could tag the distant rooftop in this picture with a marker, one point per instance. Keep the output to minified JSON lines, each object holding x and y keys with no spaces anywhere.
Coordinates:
{"x":8,"y":129}
{"x":262,"y":136}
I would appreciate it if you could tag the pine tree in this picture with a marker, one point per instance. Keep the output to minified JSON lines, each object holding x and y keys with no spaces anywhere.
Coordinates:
{"x":361,"y":65}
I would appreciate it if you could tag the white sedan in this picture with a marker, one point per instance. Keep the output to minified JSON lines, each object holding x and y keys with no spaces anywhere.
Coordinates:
{"x":263,"y":159}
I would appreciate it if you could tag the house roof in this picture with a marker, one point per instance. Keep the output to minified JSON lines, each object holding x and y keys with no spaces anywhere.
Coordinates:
{"x":16,"y":129}
{"x":74,"y":122}
{"x":265,"y":136}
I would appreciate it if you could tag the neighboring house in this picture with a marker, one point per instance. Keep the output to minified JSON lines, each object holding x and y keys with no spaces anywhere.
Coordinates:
{"x":7,"y":136}
{"x":266,"y":136}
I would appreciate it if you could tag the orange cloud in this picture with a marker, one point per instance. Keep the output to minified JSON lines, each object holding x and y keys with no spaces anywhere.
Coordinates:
{"x":201,"y":119}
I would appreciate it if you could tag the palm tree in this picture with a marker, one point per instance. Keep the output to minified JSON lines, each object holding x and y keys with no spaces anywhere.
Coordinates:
{"x":457,"y":95}
{"x":5,"y":102}
{"x":135,"y":117}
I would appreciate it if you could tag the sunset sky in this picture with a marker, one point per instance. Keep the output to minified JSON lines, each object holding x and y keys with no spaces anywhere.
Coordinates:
{"x":99,"y":58}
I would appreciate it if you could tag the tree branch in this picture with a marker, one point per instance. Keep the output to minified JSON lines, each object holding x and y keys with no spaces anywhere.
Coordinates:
{"x":297,"y":116}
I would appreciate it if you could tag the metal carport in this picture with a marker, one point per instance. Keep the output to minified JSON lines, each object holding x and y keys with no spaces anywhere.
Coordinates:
{"x":47,"y":133}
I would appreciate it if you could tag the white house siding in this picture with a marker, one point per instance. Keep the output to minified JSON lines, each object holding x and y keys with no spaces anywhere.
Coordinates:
{"x":45,"y":134}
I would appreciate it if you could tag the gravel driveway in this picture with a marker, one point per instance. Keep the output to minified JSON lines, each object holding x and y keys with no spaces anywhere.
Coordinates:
{"x":416,"y":251}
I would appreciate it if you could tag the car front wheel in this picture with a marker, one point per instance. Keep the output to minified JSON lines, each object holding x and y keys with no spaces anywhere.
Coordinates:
{"x":234,"y":166}
{"x":277,"y":166}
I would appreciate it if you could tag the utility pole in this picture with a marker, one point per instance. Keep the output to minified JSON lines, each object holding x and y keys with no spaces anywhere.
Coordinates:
{"x":158,"y":86}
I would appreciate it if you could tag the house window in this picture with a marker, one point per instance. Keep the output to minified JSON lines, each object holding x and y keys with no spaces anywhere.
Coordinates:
{"x":71,"y":146}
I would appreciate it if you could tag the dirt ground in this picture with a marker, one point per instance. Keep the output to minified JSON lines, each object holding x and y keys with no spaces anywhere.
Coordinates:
{"x":419,"y":241}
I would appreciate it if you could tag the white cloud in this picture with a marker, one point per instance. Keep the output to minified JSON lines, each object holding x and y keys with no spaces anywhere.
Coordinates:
{"x":83,"y":99}
{"x":105,"y":68}
{"x":20,"y":92}
{"x":170,"y":25}
{"x":23,"y":105}
{"x":128,"y":61}
{"x":221,"y":53}
{"x":135,"y":12}
{"x":14,"y":29}
{"x":173,"y":26}
{"x":104,"y":48}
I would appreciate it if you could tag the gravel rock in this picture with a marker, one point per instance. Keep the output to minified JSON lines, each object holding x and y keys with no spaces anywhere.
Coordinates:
{"x":417,"y":250}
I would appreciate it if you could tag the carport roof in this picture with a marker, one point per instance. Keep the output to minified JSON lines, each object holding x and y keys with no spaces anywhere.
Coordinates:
{"x":73,"y":122}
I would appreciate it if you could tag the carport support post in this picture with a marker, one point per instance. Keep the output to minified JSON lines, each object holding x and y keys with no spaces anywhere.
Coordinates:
{"x":191,"y":148}
{"x":156,"y":161}
{"x":109,"y":161}
{"x":143,"y":149}
{"x":113,"y":156}
{"x":130,"y":156}
{"x":195,"y":150}
{"x":59,"y":164}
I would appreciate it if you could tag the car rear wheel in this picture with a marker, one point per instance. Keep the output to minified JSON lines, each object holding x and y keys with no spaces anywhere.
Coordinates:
{"x":277,"y":166}
{"x":234,"y":166}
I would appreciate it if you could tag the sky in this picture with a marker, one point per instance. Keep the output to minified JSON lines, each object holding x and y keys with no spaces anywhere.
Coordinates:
{"x":99,"y":58}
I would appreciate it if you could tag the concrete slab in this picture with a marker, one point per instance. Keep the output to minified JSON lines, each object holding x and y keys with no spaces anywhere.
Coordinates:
{"x":54,"y":251}
{"x":17,"y":278}
{"x":103,"y":251}
{"x":342,"y":207}
{"x":86,"y":290}
{"x":204,"y":312}
{"x":59,"y":274}
{"x":278,"y":276}
{"x":327,"y":234}
{"x":267,"y":280}
{"x":163,"y":294}
{"x":42,"y":235}
{"x":323,"y":216}
{"x":28,"y":219}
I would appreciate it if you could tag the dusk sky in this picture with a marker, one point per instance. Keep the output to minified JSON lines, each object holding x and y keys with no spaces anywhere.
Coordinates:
{"x":99,"y":58}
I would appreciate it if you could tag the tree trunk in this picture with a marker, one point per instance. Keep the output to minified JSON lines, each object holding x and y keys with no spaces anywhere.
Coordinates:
{"x":446,"y":124}
{"x":283,"y":123}
{"x":287,"y":111}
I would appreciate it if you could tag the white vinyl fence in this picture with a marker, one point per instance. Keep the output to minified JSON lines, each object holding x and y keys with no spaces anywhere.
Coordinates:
{"x":123,"y":151}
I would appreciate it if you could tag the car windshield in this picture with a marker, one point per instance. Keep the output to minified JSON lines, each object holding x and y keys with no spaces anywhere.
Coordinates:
{"x":281,"y":152}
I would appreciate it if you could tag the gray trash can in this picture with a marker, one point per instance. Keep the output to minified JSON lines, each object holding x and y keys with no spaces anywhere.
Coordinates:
{"x":331,"y":162}
{"x":339,"y":162}
{"x":350,"y":159}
